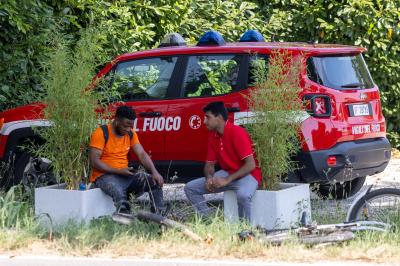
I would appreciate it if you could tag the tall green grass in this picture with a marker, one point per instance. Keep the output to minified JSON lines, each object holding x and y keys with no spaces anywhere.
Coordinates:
{"x":15,"y":209}
{"x":274,"y":127}
{"x":71,"y":103}
{"x":103,"y":236}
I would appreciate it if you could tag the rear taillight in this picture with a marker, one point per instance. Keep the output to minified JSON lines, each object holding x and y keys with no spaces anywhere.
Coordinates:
{"x":1,"y":122}
{"x":331,"y":161}
{"x":318,"y":105}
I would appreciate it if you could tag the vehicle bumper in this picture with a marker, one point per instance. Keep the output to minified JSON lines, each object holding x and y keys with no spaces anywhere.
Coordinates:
{"x":365,"y":157}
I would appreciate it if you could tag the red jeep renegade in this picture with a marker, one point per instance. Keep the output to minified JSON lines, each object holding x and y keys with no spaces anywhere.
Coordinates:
{"x":344,"y":130}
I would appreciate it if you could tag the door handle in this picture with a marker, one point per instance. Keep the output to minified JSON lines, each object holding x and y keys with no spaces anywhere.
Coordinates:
{"x":233,"y":109}
{"x":150,"y":114}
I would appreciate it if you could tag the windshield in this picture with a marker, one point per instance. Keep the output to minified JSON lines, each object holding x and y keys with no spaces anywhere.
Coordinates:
{"x":340,"y":72}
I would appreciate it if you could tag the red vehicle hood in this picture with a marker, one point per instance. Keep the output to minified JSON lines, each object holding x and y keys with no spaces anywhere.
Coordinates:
{"x":25,"y":112}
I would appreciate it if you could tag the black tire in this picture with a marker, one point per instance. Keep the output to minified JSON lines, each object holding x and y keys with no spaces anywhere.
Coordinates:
{"x":341,"y":191}
{"x":32,"y":172}
{"x":382,"y":205}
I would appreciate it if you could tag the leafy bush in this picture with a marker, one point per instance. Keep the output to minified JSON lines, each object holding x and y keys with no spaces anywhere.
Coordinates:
{"x":25,"y":28}
{"x":70,"y":106}
{"x":275,"y":104}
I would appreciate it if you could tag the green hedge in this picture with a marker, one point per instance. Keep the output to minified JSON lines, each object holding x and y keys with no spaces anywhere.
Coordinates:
{"x":128,"y":26}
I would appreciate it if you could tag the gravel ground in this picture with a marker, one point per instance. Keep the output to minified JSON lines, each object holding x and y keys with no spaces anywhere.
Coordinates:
{"x":388,"y":178}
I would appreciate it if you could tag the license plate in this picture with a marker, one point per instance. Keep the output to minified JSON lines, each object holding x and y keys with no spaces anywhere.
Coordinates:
{"x":364,"y":129}
{"x":359,"y":110}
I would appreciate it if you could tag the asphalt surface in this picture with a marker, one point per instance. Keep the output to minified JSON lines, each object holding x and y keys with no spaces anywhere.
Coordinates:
{"x":83,"y":261}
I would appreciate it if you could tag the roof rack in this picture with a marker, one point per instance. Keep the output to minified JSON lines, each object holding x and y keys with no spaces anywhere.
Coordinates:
{"x":211,"y":38}
{"x":172,"y":39}
{"x":252,"y":36}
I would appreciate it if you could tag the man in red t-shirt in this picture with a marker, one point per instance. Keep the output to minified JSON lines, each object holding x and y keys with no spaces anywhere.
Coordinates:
{"x":230,"y":147}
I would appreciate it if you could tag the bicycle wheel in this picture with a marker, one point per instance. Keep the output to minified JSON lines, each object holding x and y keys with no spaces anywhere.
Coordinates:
{"x":381,"y":205}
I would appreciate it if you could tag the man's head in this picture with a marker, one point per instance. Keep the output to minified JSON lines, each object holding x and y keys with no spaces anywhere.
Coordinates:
{"x":215,"y":115}
{"x":124,"y":118}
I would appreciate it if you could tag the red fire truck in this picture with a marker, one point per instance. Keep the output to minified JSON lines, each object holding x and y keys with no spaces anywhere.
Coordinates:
{"x":344,"y":131}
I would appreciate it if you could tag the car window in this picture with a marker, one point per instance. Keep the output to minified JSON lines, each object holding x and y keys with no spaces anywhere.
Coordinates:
{"x":341,"y":72}
{"x":208,"y":75}
{"x":144,"y":78}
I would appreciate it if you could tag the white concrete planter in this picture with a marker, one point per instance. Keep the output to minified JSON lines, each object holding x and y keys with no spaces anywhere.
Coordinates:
{"x":280,"y":209}
{"x":79,"y":205}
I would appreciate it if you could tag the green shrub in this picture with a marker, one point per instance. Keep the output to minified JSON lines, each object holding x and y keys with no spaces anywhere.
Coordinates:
{"x":25,"y":28}
{"x":275,"y":103}
{"x":70,"y":106}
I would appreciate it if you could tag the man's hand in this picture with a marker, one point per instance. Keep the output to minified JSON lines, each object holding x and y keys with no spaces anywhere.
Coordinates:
{"x":214,"y":183}
{"x":125,"y":171}
{"x":146,"y":161}
{"x":158,"y":179}
{"x":209,"y":184}
{"x":220,"y":182}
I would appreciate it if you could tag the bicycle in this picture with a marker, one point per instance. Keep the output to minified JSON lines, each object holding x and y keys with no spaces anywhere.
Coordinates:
{"x":316,"y":234}
{"x":378,"y":205}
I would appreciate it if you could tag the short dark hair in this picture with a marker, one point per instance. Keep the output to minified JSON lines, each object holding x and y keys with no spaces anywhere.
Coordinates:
{"x":217,"y":108}
{"x":125,"y":112}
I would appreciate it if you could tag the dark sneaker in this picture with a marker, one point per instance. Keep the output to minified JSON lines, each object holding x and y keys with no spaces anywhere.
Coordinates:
{"x":124,"y":210}
{"x":163,"y":211}
{"x":122,"y":218}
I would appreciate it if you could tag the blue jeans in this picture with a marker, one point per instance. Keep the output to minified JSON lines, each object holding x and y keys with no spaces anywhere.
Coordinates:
{"x":119,"y":187}
{"x":244,"y":188}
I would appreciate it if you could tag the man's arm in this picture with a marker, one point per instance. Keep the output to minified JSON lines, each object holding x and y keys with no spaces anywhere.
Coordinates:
{"x":94,"y":156}
{"x":247,"y":167}
{"x":209,"y":169}
{"x":146,"y":161}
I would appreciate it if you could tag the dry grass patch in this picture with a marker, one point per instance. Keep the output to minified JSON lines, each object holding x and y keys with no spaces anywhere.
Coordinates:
{"x":395,"y":153}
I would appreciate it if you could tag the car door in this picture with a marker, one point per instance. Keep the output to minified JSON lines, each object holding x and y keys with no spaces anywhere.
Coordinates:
{"x":144,"y":84}
{"x":206,"y":78}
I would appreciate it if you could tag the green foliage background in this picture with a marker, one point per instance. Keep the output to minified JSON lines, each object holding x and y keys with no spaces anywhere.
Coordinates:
{"x":128,"y":26}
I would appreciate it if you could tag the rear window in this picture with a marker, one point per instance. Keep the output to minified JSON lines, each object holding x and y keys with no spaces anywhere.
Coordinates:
{"x":340,"y":72}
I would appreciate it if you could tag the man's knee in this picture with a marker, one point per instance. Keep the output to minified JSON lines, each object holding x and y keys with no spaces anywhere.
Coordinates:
{"x":190,"y":188}
{"x":244,"y":196}
{"x":187,"y":188}
{"x":115,"y":190}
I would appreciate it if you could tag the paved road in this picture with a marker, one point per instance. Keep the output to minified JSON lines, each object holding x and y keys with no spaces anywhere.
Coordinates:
{"x":68,"y":261}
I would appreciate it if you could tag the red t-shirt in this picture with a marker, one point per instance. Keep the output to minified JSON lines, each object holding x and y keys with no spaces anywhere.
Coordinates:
{"x":230,"y":149}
